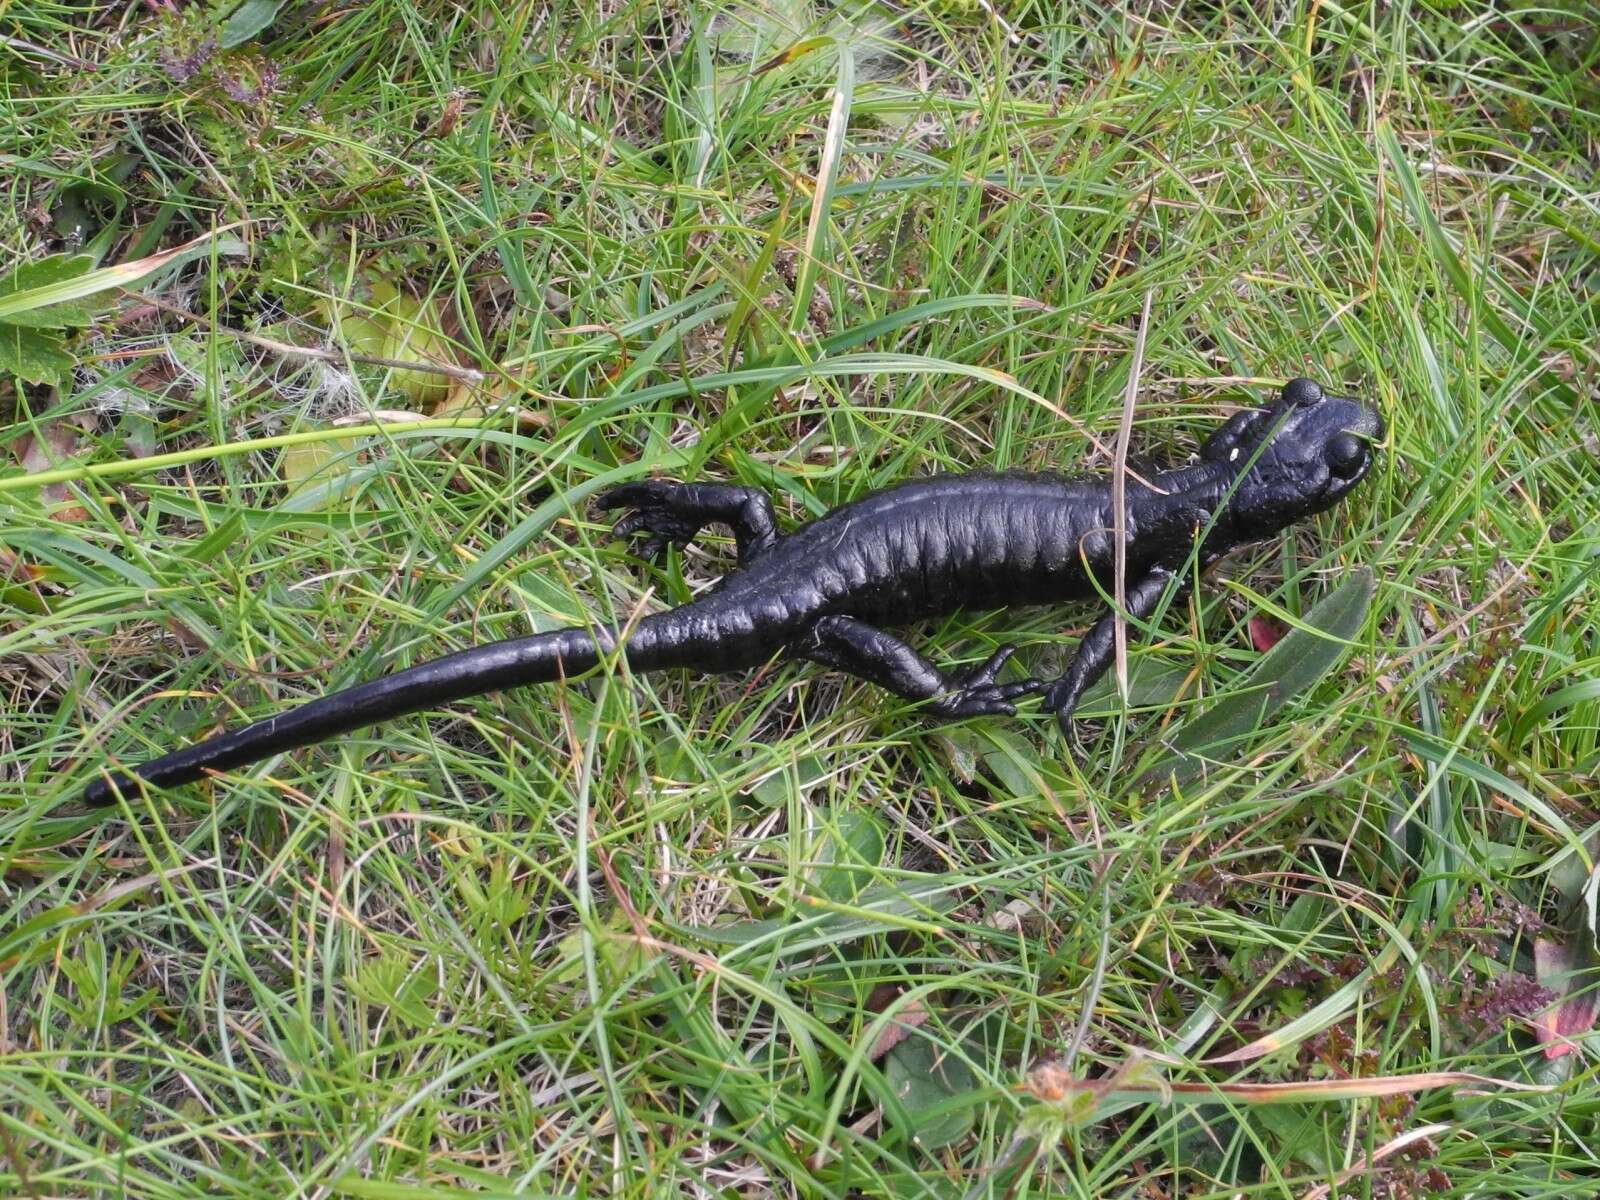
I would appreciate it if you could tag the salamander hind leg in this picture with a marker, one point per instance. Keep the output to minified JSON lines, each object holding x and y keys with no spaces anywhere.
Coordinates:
{"x":869,"y":653}
{"x":669,"y":513}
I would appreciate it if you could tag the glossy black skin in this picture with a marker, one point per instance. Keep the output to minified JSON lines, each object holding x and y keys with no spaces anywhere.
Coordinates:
{"x":921,"y":549}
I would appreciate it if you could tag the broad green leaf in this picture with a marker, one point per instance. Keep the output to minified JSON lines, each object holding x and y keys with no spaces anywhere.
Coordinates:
{"x":840,"y":986}
{"x":926,"y":1078}
{"x":846,"y":853}
{"x":89,"y":283}
{"x":28,"y":940}
{"x":35,"y":355}
{"x":215,"y":544}
{"x":1011,"y":759}
{"x":248,"y":20}
{"x":1289,"y":668}
{"x":398,"y":326}
{"x":795,"y":780}
{"x":318,"y":473}
{"x":44,"y":272}
{"x":1149,"y":686}
{"x":617,"y":953}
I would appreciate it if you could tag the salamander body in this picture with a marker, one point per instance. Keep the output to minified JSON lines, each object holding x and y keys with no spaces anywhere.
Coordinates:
{"x":826,"y":591}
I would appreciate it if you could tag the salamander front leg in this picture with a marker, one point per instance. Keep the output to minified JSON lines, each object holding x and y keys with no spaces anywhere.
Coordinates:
{"x":869,"y":653}
{"x":1096,"y":650}
{"x":673,"y":513}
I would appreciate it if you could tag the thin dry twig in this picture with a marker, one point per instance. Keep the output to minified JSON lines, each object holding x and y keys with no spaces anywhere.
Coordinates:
{"x":67,"y":60}
{"x":1097,"y":978}
{"x":1395,"y":1144}
{"x":1119,"y":503}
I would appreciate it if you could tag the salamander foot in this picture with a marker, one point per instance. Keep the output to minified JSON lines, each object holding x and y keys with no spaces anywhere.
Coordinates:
{"x":1061,"y":698}
{"x":660,"y":522}
{"x":670,"y":513}
{"x":975,"y":693}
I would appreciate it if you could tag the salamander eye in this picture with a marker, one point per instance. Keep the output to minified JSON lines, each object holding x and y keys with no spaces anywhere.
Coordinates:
{"x":1346,"y":455}
{"x":1300,"y":393}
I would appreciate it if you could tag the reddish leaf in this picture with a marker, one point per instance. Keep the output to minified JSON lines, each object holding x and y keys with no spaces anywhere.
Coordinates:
{"x":907,"y":1019}
{"x":1567,"y":971}
{"x":14,"y":570}
{"x":55,"y":446}
{"x":1265,"y":633}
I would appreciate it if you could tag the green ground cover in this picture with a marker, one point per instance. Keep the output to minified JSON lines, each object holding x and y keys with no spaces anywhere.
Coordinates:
{"x":776,"y":934}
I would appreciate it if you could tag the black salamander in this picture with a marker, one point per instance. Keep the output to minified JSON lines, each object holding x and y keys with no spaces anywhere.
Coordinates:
{"x":926,"y":547}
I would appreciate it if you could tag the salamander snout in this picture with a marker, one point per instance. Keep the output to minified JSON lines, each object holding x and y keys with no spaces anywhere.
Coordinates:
{"x":1355,"y":418}
{"x":1300,"y":455}
{"x":1337,"y":430}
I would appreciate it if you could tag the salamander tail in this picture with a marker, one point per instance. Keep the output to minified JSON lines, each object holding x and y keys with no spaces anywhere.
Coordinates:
{"x":659,"y":641}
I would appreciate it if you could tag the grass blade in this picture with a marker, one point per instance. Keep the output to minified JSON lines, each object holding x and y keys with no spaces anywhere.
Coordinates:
{"x":816,"y":243}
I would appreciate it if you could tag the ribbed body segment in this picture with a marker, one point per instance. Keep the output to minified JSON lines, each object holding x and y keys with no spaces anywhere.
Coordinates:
{"x":930,"y":546}
{"x":934,"y":545}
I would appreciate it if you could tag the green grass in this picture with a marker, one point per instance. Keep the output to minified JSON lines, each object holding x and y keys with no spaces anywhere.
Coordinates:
{"x":644,"y":937}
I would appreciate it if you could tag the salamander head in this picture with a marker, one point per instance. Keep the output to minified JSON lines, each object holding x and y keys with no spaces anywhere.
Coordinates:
{"x":1299,"y":456}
